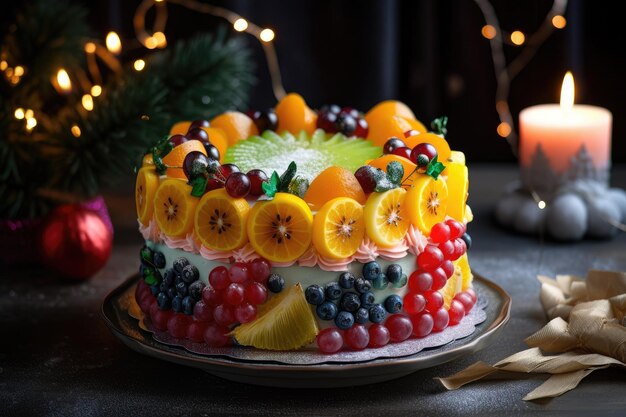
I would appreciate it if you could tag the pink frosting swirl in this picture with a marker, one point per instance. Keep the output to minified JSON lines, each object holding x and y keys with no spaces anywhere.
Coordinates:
{"x":308,"y":258}
{"x":151,"y":231}
{"x":367,"y":251}
{"x":244,"y":254}
{"x":187,"y":243}
{"x":394,"y":253}
{"x":214,"y":255}
{"x":415,"y":240}
{"x":311,"y":257}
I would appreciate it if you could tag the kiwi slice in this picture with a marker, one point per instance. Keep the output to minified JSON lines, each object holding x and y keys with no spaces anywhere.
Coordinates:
{"x":313,"y":153}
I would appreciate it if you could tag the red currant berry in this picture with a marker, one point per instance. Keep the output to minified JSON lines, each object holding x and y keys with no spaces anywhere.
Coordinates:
{"x":228,"y":169}
{"x":447,"y":248}
{"x":362,"y":128}
{"x":366,"y":175}
{"x":459,"y":249}
{"x":430,"y":259}
{"x":422,"y":324}
{"x":472,"y":293}
{"x":255,"y":293}
{"x":177,"y":325}
{"x":440,"y":233}
{"x":457,"y":229}
{"x":330,"y":340}
{"x":400,"y":327}
{"x":434,"y":301}
{"x":213,"y":184}
{"x":219,"y":278}
{"x":456,"y":312}
{"x":215,"y":335}
{"x":202,"y":311}
{"x":195,"y":331}
{"x":465,"y":299}
{"x":379,"y":335}
{"x":177,"y":140}
{"x":448,"y":267}
{"x":425,"y":149}
{"x":392,"y":144}
{"x":413,"y":303}
{"x":402,"y":151}
{"x":357,"y":337}
{"x":327,"y":121}
{"x":245,"y":313}
{"x":420,"y":281}
{"x":211,"y":296}
{"x":439,"y":279}
{"x":160,"y":318}
{"x":441,"y":319}
{"x":237,"y":185}
{"x":259,"y":270}
{"x":234,"y":294}
{"x":223,"y":315}
{"x":239,"y":273}
{"x":257,"y":177}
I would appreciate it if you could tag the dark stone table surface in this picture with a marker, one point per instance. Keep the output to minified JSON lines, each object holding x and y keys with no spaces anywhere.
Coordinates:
{"x":58,"y":358}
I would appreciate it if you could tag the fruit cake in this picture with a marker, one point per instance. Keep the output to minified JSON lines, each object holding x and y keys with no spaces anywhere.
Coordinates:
{"x":293,"y":228}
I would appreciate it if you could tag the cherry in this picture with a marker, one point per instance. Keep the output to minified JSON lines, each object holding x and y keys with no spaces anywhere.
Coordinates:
{"x":441,"y":319}
{"x":211,"y":296}
{"x":255,"y":293}
{"x":402,"y":151}
{"x":195,"y":331}
{"x":264,"y":119}
{"x":178,"y":139}
{"x":366,"y":175}
{"x":400,"y":327}
{"x":211,"y":151}
{"x":228,"y":169}
{"x":357,"y":337}
{"x":379,"y":335}
{"x":430,"y":258}
{"x":259,"y":270}
{"x":413,"y":303}
{"x":219,"y":278}
{"x":203,"y":311}
{"x":420,"y":281}
{"x":239,"y":273}
{"x":237,"y":185}
{"x":195,"y":164}
{"x":257,"y":177}
{"x":362,"y":128}
{"x":234,"y":294}
{"x":392,"y":144}
{"x":346,"y":124}
{"x":245,"y":313}
{"x":426,"y":149}
{"x":215,"y":335}
{"x":198,"y":133}
{"x":327,"y":121}
{"x":422,"y":324}
{"x":199,"y":124}
{"x":330,"y":340}
{"x":440,"y":233}
{"x":456,"y":312}
{"x":213,"y":184}
{"x":223,"y":315}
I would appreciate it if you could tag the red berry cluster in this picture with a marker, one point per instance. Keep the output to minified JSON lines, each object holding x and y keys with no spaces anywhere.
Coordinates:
{"x":420,"y":155}
{"x":345,"y":120}
{"x":424,"y":302}
{"x":231,"y":298}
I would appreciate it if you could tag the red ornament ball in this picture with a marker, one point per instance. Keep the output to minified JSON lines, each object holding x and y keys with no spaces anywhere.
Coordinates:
{"x":75,"y":241}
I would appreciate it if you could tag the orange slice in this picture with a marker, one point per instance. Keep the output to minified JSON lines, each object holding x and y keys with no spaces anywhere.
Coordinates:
{"x":280,"y":229}
{"x":236,"y":125}
{"x":458,"y":186}
{"x":145,"y":187}
{"x":180,"y":128}
{"x":176,"y":157}
{"x":463,"y":267}
{"x":174,"y":207}
{"x":333,"y":182}
{"x":294,"y":115}
{"x":220,"y":220}
{"x":338,"y":228}
{"x":443,"y":149}
{"x":426,"y":202}
{"x":386,"y":217}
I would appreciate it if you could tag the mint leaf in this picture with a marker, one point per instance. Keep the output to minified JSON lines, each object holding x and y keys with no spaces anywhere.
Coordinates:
{"x":150,"y":279}
{"x":198,"y":185}
{"x":434,"y":168}
{"x":164,"y":146}
{"x":298,"y":186}
{"x":271,"y":187}
{"x":158,"y":163}
{"x":287,"y":176}
{"x":395,"y":172}
{"x":439,"y":126}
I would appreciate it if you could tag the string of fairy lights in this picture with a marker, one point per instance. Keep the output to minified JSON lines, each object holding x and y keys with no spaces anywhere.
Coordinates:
{"x":90,"y":86}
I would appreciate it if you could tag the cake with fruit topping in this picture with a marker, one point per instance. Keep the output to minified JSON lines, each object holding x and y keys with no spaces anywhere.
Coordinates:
{"x":295,"y":228}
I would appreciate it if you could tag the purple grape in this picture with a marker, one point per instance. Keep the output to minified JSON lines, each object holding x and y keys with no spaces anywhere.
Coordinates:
{"x":257,"y":177}
{"x":392,"y":144}
{"x":195,"y":164}
{"x":212,"y":151}
{"x":198,"y":133}
{"x":199,"y":124}
{"x":366,"y":175}
{"x":178,"y":139}
{"x":237,"y":185}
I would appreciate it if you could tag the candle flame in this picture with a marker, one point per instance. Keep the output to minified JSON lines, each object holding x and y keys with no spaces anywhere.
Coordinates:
{"x":567,"y":92}
{"x":64,"y":80}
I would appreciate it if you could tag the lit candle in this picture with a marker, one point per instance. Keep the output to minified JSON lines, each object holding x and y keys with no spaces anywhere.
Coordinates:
{"x":560,"y":143}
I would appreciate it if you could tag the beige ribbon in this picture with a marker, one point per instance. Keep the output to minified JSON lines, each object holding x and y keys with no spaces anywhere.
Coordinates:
{"x":586,"y":332}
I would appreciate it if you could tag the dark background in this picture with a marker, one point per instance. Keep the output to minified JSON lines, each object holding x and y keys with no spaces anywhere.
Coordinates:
{"x":429,"y":54}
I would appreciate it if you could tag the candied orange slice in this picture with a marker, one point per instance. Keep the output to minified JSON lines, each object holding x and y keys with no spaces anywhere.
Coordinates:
{"x":220,"y":220}
{"x":386,"y":217}
{"x":176,"y":157}
{"x":338,"y":228}
{"x":294,"y":115}
{"x":236,"y":125}
{"x":174,"y":207}
{"x":426,"y":202}
{"x":146,"y":185}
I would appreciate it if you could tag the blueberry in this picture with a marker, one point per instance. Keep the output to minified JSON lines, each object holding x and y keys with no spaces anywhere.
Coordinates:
{"x":367,"y":299}
{"x":344,"y":320}
{"x":275,"y":283}
{"x":380,"y":282}
{"x":164,"y":301}
{"x":190,"y":274}
{"x":163,"y":286}
{"x":371,"y":270}
{"x":171,"y":292}
{"x":377,"y":313}
{"x":178,"y":279}
{"x":393,"y":304}
{"x":195,"y":290}
{"x":181,"y":289}
{"x":362,"y":285}
{"x":350,"y":301}
{"x":327,"y":310}
{"x":467,"y":239}
{"x":333,"y":291}
{"x":179,"y":264}
{"x":177,"y":304}
{"x":145,"y":255}
{"x":346,"y":280}
{"x":361,"y":316}
{"x":158,"y":259}
{"x":169,"y":277}
{"x":188,"y":303}
{"x":314,"y":294}
{"x":401,"y":282}
{"x":394,"y":273}
{"x":154,"y":289}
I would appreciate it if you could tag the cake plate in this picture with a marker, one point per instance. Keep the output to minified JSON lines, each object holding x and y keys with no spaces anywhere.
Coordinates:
{"x":261,"y":371}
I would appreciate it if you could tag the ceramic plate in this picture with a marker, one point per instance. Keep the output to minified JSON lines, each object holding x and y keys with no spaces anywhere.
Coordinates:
{"x":259,"y":367}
